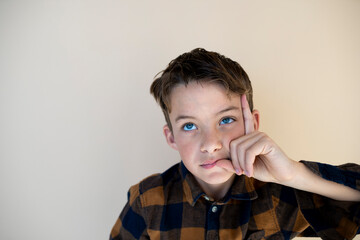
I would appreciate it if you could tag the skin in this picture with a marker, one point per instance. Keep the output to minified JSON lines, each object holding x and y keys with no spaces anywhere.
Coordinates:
{"x":217,"y":137}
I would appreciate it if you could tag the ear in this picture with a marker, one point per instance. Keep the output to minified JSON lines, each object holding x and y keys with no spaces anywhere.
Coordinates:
{"x":256,"y":116}
{"x":169,"y":137}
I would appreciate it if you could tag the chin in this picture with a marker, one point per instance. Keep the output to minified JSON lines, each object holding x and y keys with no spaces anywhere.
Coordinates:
{"x":217,"y":178}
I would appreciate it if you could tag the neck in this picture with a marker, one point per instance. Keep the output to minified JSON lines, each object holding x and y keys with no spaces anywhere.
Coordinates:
{"x":216,"y":191}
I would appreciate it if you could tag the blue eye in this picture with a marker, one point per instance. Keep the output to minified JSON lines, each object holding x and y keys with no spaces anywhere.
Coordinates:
{"x":189,"y":127}
{"x":226,"y":120}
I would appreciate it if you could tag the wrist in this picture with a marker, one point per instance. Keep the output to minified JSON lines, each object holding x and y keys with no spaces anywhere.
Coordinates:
{"x":297,"y":175}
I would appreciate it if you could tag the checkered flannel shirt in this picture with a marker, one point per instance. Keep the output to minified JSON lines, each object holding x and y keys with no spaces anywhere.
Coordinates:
{"x":171,"y":205}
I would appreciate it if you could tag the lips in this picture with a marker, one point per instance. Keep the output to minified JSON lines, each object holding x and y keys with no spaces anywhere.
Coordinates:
{"x":211,"y":163}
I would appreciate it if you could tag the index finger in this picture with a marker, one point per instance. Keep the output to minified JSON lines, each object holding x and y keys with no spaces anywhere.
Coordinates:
{"x":248,"y":117}
{"x":226,"y":164}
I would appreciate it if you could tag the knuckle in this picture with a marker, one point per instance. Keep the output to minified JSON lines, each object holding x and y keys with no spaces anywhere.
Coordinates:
{"x":233,"y":144}
{"x":264,"y":136}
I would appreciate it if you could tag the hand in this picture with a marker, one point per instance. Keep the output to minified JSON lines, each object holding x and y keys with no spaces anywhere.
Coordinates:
{"x":257,"y":155}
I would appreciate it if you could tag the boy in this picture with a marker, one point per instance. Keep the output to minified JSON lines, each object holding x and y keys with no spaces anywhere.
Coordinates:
{"x":233,"y":182}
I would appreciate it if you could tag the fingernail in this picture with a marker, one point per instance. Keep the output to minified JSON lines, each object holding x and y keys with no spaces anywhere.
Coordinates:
{"x":247,"y":173}
{"x":237,"y":171}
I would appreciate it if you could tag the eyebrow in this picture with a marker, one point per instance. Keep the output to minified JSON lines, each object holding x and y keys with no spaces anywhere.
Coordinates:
{"x":231,"y":108}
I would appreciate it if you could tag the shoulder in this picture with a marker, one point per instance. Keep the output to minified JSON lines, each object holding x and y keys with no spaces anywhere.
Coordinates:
{"x":153,"y":189}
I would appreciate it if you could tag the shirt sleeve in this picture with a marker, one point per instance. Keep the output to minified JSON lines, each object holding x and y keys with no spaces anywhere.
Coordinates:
{"x":131,"y":222}
{"x":328,"y":218}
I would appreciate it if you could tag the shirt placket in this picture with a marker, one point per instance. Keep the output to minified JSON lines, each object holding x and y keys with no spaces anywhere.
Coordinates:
{"x":213,"y":220}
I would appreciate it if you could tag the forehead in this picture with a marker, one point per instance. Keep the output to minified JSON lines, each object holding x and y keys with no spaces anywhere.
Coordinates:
{"x":201,"y":98}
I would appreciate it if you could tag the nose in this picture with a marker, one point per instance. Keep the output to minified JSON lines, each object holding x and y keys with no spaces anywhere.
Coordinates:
{"x":211,"y":142}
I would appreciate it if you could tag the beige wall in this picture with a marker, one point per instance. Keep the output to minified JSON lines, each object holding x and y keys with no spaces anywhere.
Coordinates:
{"x":77,"y":123}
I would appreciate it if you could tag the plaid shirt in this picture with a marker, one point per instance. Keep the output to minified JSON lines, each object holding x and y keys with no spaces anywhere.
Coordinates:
{"x":171,"y":205}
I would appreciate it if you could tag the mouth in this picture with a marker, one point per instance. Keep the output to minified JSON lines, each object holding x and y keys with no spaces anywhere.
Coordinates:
{"x":212,"y":163}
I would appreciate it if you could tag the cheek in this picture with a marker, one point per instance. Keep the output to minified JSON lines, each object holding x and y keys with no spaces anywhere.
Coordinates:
{"x":187,"y":147}
{"x":233,"y":134}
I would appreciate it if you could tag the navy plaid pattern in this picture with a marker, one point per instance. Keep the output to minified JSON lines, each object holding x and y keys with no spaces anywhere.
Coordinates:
{"x":171,"y":205}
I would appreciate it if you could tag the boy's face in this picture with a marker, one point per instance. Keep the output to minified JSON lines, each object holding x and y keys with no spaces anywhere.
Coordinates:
{"x":204,"y":121}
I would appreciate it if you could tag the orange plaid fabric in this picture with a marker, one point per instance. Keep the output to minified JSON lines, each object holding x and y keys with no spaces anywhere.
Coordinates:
{"x":171,"y":205}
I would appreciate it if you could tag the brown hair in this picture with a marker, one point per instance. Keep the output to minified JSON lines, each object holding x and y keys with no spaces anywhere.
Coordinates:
{"x":200,"y":66}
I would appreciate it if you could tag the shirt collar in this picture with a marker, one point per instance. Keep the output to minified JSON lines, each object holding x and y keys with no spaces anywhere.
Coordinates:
{"x":241,"y":189}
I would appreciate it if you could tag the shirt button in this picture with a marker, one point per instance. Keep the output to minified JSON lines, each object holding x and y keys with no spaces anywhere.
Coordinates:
{"x":214,"y":209}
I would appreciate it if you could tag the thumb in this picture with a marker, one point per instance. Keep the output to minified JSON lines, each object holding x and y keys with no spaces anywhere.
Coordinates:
{"x":226,"y":164}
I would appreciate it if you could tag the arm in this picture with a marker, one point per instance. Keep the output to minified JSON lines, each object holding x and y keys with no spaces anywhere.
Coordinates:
{"x":257,"y":155}
{"x":304,"y":179}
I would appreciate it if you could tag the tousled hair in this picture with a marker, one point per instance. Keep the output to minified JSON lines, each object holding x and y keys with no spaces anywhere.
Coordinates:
{"x":201,"y":66}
